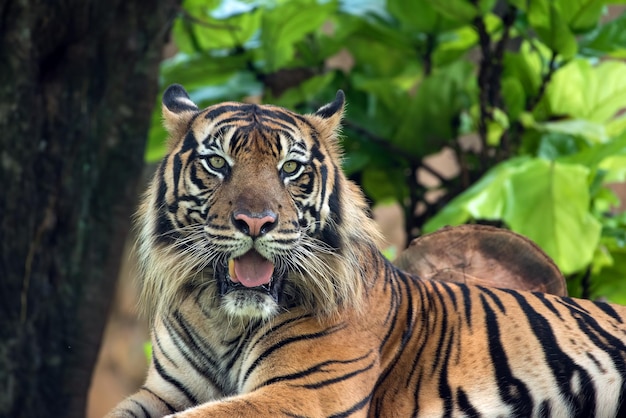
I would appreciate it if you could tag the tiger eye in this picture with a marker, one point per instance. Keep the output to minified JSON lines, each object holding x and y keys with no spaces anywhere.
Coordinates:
{"x":217,"y":162}
{"x":290,"y":167}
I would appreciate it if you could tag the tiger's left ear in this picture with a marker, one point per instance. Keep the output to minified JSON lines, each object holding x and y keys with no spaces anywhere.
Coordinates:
{"x":178,"y":110}
{"x":333,"y":111}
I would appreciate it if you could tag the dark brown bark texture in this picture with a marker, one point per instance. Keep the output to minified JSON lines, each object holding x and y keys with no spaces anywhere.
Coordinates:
{"x":78,"y":82}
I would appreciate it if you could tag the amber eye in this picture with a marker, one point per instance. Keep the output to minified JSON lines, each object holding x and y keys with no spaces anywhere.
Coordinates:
{"x":291,"y":167}
{"x":217,"y":162}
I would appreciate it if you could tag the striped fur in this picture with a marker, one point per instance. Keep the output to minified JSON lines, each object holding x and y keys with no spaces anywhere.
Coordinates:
{"x":339,"y":331}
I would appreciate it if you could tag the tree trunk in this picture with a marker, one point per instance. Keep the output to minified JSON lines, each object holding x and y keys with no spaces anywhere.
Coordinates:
{"x":78,"y":82}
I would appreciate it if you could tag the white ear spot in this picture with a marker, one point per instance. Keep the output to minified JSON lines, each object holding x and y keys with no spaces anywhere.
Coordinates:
{"x":176,"y":100}
{"x":185,"y":102}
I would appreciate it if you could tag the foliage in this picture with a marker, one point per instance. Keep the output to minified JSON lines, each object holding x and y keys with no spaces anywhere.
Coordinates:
{"x":522,"y":77}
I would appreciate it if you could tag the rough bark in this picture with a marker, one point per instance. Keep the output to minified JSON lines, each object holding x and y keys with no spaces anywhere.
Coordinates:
{"x":78,"y":80}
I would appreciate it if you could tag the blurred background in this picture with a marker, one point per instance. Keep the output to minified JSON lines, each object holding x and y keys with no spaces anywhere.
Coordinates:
{"x":500,"y":112}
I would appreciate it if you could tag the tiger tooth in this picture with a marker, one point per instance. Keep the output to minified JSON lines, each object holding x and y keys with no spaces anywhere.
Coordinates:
{"x":231,"y":268}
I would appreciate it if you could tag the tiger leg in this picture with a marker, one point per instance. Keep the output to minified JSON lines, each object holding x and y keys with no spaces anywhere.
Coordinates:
{"x":144,"y":403}
{"x":283,"y":400}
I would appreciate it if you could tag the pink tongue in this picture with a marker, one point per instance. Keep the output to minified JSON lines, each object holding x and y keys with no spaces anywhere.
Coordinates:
{"x":252,"y":270}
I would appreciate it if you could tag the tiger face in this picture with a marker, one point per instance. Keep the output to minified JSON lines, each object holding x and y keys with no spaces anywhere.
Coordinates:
{"x":247,"y":203}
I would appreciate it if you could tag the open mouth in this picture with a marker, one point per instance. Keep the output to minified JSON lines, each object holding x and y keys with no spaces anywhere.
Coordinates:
{"x":250,"y":271}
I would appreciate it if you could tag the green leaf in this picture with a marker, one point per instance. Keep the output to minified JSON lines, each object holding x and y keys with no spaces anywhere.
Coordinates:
{"x":594,"y":132}
{"x":526,"y":66}
{"x":383,"y":184}
{"x":462,"y":10}
{"x":156,"y":146}
{"x":615,"y":167}
{"x":432,"y":116}
{"x":552,"y":29}
{"x":355,"y":161}
{"x":549,"y":203}
{"x":592,"y":157}
{"x":286,"y":24}
{"x":147,"y":351}
{"x":576,"y":15}
{"x":451,"y":45}
{"x":608,"y":39}
{"x":203,"y":28}
{"x":555,"y":144}
{"x":609,"y":281}
{"x":583,"y":91}
{"x":239,"y":85}
{"x":616,"y":126}
{"x":581,"y":15}
{"x":305,"y":92}
{"x":390,"y":252}
{"x":420,"y":16}
{"x":514,"y":96}
{"x":198,"y":70}
{"x":368,"y":41}
{"x":483,"y":200}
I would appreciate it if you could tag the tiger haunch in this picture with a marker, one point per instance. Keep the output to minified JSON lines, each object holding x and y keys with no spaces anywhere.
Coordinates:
{"x":268,"y":296}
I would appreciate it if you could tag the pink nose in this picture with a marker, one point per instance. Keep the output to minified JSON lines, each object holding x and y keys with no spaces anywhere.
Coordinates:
{"x":254,"y":224}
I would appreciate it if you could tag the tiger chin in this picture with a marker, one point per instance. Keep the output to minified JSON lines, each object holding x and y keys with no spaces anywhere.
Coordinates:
{"x":268,"y":296}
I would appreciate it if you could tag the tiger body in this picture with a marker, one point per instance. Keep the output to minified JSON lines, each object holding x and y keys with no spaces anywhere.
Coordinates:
{"x":269,"y":296}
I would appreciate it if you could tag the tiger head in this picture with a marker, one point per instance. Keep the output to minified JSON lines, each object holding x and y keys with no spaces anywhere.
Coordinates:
{"x":250,"y":206}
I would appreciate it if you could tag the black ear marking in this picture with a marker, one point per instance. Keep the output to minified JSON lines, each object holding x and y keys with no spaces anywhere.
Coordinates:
{"x":334,"y":107}
{"x":176,"y":99}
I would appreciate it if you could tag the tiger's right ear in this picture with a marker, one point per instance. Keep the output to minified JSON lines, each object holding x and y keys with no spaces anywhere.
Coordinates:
{"x":178,"y":110}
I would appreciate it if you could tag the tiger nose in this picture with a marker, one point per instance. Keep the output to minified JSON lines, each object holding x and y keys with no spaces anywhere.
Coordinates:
{"x":254,"y":224}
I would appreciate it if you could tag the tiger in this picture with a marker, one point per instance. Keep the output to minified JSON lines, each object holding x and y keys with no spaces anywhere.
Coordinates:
{"x":268,"y":295}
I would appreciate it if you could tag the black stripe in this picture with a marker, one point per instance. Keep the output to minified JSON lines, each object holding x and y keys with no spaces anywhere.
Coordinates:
{"x":445,"y":391}
{"x":189,"y":143}
{"x":131,"y":412}
{"x":356,"y":407}
{"x":317,"y":368}
{"x":548,"y":304}
{"x":511,"y":390}
{"x":164,"y":229}
{"x":467,"y":304}
{"x":608,"y":309}
{"x":163,"y":401}
{"x":143,"y":409}
{"x":205,"y":366}
{"x":545,"y":410}
{"x":174,"y":382}
{"x":341,"y":378}
{"x":290,"y":118}
{"x":261,"y":336}
{"x":219,"y":110}
{"x":157,"y":341}
{"x":450,"y":293}
{"x":195,"y":179}
{"x":606,"y":341}
{"x":493,"y":297}
{"x":177,"y":166}
{"x":562,"y":366}
{"x":290,"y":340}
{"x":440,"y":353}
{"x":334,"y":199}
{"x":465,"y":405}
{"x":195,"y":339}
